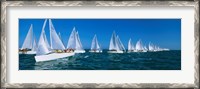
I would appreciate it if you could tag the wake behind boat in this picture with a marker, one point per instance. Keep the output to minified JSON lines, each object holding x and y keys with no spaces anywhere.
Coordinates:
{"x":29,"y":46}
{"x":46,"y":52}
{"x":95,"y":45}
{"x":116,"y":45}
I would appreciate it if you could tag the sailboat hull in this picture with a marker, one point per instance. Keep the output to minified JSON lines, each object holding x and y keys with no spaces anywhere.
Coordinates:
{"x":96,"y":51}
{"x":28,"y":52}
{"x":79,"y":51}
{"x":141,"y":50}
{"x":115,"y":51}
{"x":52,"y":56}
{"x":131,"y":51}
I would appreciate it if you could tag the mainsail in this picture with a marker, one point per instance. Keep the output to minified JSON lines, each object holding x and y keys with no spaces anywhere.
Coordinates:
{"x":119,"y":43}
{"x":28,"y":42}
{"x":139,"y":45}
{"x":95,"y":44}
{"x":129,"y":45}
{"x":113,"y":42}
{"x":44,"y":35}
{"x":79,"y":45}
{"x":151,"y":47}
{"x":74,"y":41}
{"x":42,"y":44}
{"x":55,"y":40}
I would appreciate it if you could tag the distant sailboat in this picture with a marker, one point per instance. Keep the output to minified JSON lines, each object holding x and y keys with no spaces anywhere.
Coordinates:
{"x":95,"y":45}
{"x":44,"y":53}
{"x":74,"y":42}
{"x":131,"y":47}
{"x":116,"y":45}
{"x":121,"y":46}
{"x":29,"y":46}
{"x":151,"y":47}
{"x":139,"y":47}
{"x":154,"y":48}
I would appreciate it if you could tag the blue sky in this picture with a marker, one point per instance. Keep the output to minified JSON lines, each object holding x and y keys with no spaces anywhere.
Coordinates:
{"x":165,"y":33}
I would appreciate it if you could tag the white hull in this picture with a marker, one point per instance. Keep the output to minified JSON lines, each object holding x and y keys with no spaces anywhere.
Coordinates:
{"x":131,"y":51}
{"x":97,"y":51}
{"x":141,"y":50}
{"x":115,"y":51}
{"x":79,"y":51}
{"x":52,"y":56}
{"x":28,"y":52}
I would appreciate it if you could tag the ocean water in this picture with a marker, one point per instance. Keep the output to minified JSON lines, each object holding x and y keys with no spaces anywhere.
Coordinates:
{"x":164,"y":60}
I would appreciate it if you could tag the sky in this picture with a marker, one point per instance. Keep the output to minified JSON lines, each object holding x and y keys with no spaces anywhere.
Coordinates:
{"x":165,"y":33}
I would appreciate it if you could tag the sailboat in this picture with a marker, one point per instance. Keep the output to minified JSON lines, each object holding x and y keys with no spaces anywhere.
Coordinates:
{"x":95,"y":45}
{"x":46,"y":52}
{"x":29,"y":46}
{"x":131,"y":47}
{"x":116,"y":45}
{"x":74,"y":42}
{"x":151,"y":47}
{"x":139,"y":47}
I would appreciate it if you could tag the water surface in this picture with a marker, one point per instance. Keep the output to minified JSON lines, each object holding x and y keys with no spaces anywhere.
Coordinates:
{"x":164,"y":60}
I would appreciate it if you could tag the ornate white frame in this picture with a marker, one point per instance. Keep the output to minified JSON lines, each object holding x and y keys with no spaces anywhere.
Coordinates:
{"x":5,"y":4}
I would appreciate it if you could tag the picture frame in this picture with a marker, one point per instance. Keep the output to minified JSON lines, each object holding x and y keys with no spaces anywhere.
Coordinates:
{"x":6,"y":4}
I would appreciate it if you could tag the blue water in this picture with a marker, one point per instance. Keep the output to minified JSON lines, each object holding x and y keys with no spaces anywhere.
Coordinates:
{"x":165,"y":60}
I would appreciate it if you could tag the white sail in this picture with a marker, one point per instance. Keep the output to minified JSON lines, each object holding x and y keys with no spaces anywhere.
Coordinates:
{"x":156,"y":48}
{"x":151,"y":48}
{"x":34,"y":48}
{"x":119,"y":43}
{"x":95,"y":44}
{"x":44,"y":35}
{"x":139,"y":45}
{"x":28,"y":42}
{"x":42,"y":45}
{"x":74,"y":41}
{"x":56,"y":43}
{"x":129,"y":45}
{"x":113,"y":41}
{"x":78,"y":42}
{"x":71,"y":42}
